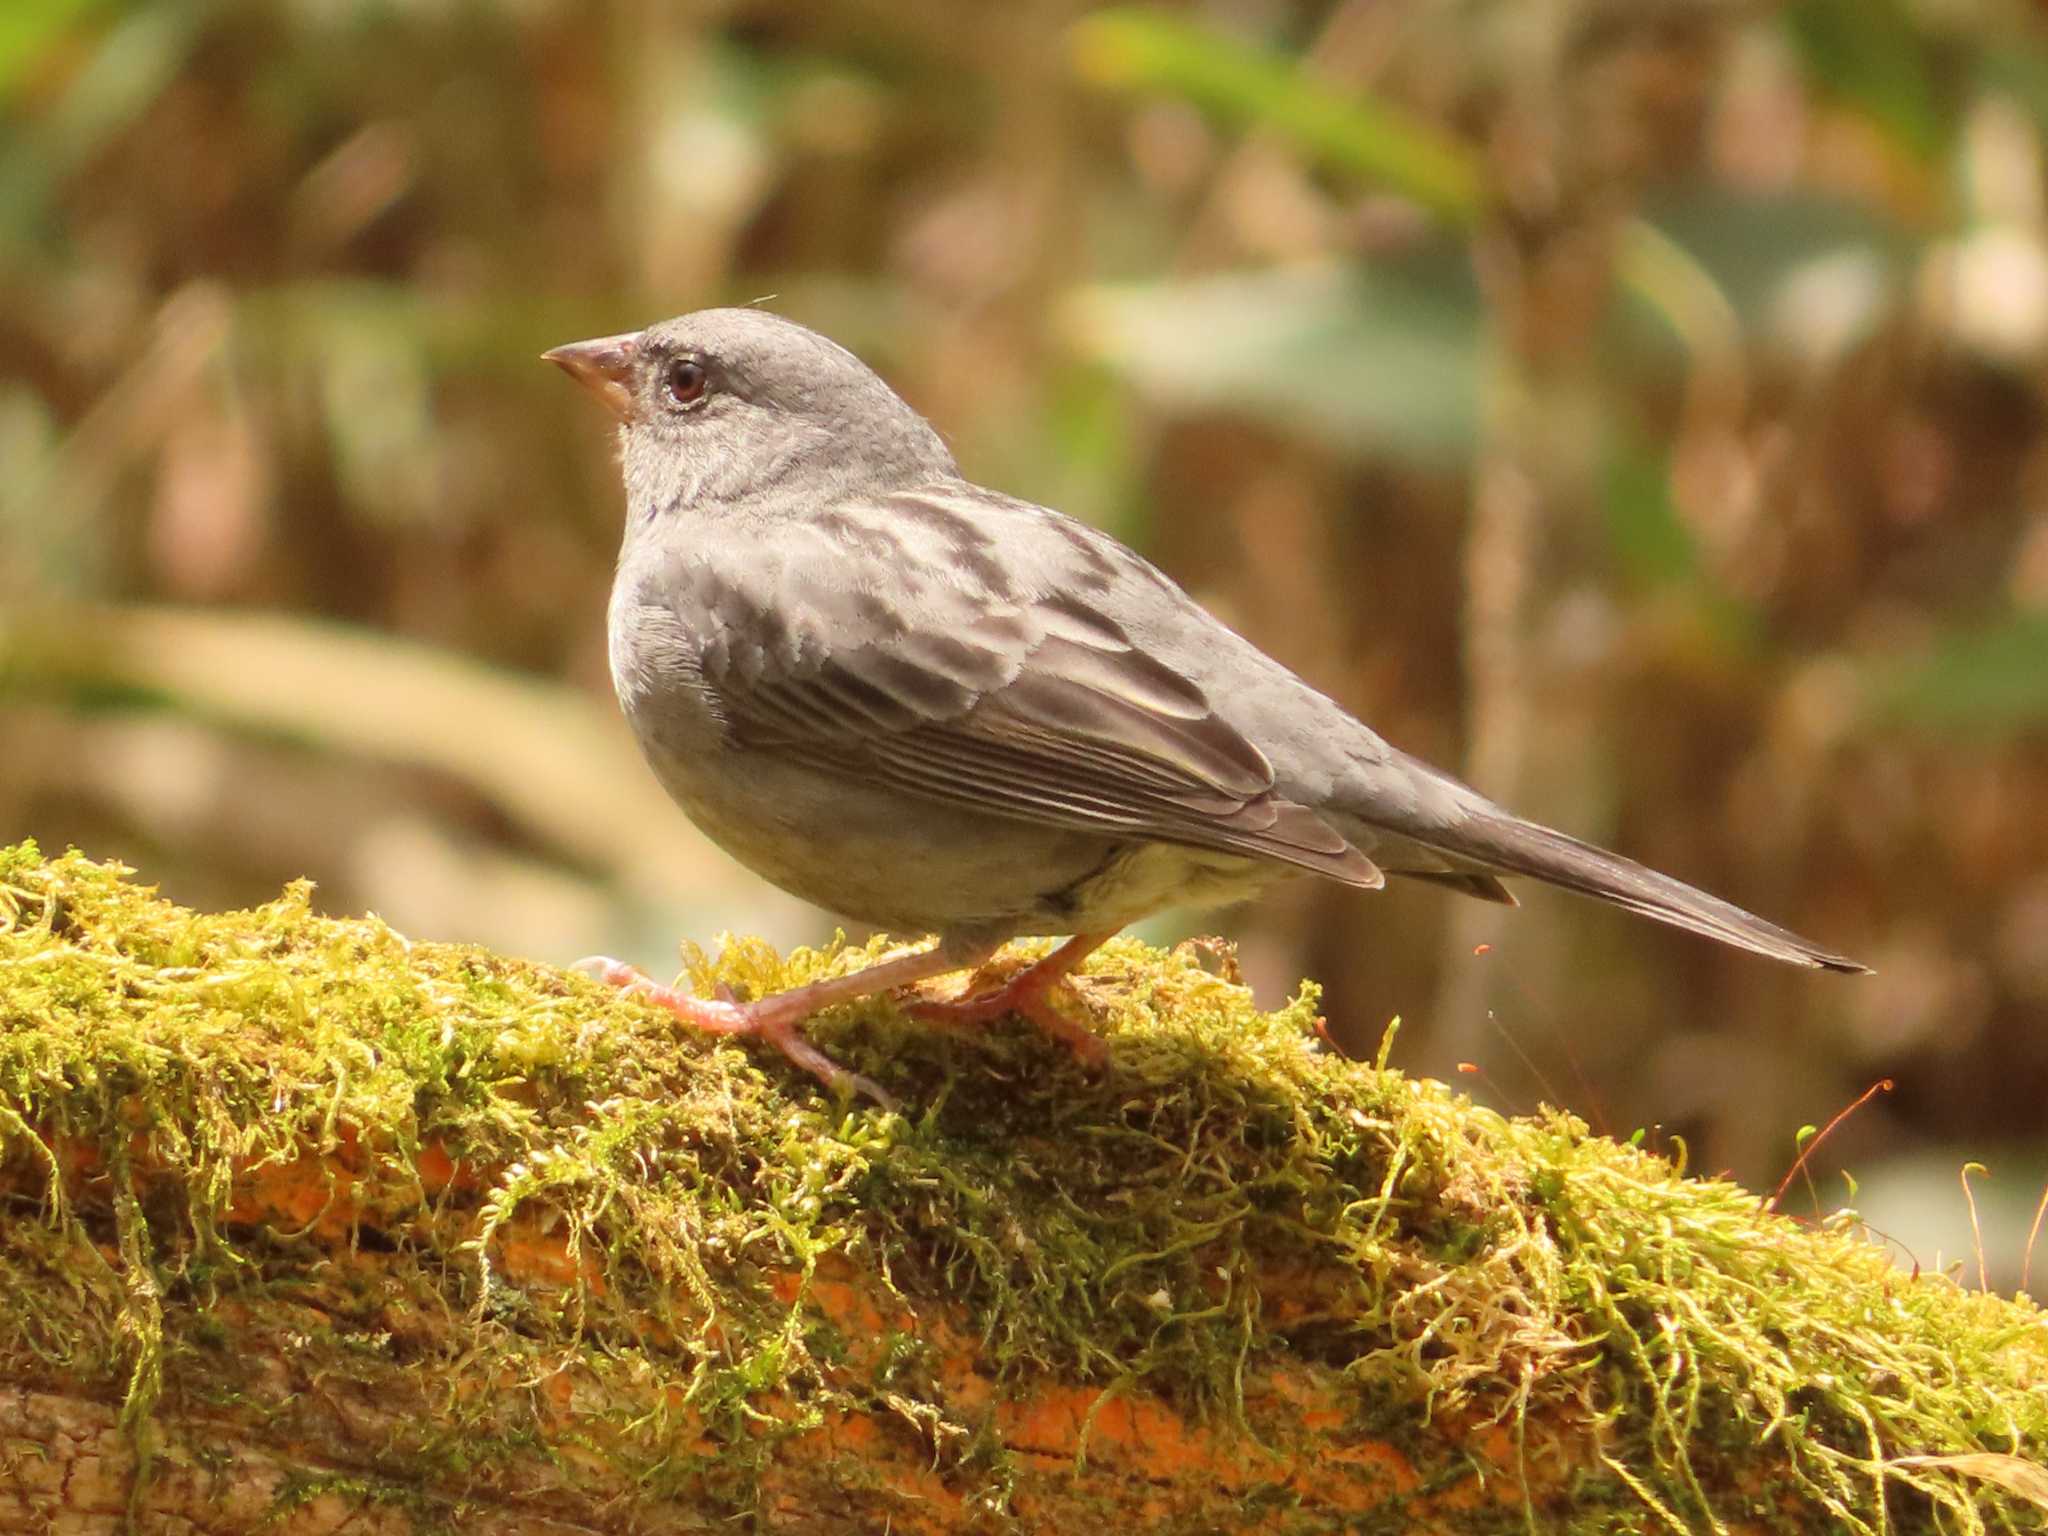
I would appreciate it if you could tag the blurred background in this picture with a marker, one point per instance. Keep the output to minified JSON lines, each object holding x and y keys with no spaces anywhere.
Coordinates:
{"x":1634,"y":405}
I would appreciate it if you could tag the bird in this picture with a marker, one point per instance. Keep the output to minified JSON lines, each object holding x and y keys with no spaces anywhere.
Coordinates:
{"x":931,"y":707}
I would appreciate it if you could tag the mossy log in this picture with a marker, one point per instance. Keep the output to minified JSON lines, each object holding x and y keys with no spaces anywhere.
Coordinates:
{"x":311,"y":1228}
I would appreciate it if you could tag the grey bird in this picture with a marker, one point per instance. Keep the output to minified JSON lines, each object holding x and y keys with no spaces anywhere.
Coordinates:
{"x":928,"y":706}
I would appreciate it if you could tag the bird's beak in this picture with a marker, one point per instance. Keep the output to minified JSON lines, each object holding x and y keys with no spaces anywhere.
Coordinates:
{"x":603,"y":366}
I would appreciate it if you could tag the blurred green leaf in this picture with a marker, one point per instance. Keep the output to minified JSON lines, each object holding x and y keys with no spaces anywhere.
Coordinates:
{"x":1142,"y":50}
{"x":1869,"y":55}
{"x":1751,"y":247}
{"x":30,"y":551}
{"x":1358,"y":359}
{"x":1093,"y":456}
{"x":1643,"y":527}
{"x":1656,"y":550}
{"x":1992,"y":679}
{"x":2017,"y":66}
{"x":135,"y":60}
{"x":377,"y":401}
{"x":28,"y":28}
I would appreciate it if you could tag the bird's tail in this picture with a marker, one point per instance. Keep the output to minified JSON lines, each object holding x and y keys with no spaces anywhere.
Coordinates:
{"x":1508,"y":845}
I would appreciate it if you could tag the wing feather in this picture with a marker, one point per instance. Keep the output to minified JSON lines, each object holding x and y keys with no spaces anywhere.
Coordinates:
{"x":884,"y":643}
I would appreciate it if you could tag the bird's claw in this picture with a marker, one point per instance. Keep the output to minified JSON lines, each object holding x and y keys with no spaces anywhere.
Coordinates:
{"x":724,"y":1014}
{"x":613,"y":973}
{"x":789,"y":1040}
{"x":1027,"y":996}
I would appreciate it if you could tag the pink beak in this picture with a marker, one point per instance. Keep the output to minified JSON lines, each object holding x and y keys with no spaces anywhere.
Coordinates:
{"x":603,"y":366}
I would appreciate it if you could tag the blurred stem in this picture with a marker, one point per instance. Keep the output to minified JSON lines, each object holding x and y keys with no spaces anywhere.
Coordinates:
{"x":1546,"y":263}
{"x":1524,"y":745}
{"x":123,"y":428}
{"x":1500,"y":552}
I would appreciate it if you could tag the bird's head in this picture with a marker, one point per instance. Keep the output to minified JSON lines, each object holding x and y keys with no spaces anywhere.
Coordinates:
{"x":725,"y":405}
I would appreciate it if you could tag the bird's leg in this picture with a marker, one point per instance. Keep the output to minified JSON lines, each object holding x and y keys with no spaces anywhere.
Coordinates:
{"x":775,"y":1018}
{"x":1029,"y":993}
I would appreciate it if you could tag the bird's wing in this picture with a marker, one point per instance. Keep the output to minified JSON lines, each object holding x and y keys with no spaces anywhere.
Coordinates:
{"x":954,"y":645}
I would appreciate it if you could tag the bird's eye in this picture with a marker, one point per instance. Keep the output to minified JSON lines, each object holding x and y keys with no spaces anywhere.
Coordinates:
{"x":686,"y":381}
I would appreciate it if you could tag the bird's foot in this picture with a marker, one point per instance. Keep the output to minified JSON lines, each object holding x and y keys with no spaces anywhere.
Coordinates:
{"x":773,"y":1019}
{"x":1031,"y":994}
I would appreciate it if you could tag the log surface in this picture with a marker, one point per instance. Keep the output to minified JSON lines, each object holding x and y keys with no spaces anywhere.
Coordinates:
{"x":313,"y":1229}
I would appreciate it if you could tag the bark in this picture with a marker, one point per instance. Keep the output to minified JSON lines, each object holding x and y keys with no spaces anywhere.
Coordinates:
{"x":341,"y":1397}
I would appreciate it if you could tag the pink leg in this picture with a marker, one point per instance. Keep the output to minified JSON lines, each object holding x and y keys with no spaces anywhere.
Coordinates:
{"x":1029,"y":993}
{"x":775,"y":1018}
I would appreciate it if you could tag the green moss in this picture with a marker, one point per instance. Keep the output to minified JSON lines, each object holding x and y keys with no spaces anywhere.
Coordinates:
{"x":1122,"y":1227}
